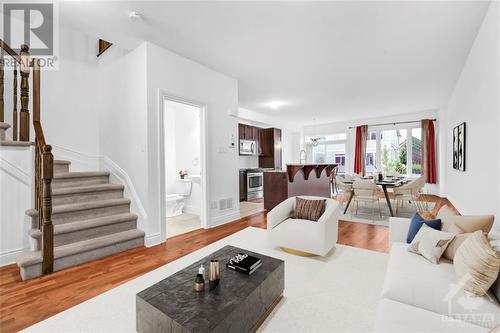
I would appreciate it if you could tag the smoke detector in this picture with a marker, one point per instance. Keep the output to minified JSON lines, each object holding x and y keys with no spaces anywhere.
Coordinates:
{"x":135,"y":16}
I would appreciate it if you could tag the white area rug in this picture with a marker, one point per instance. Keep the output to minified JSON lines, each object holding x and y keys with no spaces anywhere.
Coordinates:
{"x":364,"y":214}
{"x":338,"y":293}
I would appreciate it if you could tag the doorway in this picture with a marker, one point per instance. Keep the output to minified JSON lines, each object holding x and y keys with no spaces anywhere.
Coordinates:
{"x":183,"y":156}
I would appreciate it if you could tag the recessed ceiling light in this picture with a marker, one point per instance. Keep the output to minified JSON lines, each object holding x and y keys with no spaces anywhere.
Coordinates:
{"x":135,"y":16}
{"x":275,"y":104}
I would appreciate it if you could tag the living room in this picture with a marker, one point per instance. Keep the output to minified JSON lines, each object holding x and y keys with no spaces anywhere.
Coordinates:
{"x":383,"y":197}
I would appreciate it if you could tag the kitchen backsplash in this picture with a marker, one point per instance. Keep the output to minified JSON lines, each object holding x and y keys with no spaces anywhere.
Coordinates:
{"x":248,"y":162}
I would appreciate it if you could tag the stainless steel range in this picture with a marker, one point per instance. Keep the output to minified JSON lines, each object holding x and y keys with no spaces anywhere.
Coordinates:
{"x":255,"y":184}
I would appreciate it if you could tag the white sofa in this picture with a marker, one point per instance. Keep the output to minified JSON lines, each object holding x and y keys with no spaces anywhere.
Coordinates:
{"x":315,"y":237}
{"x":419,"y":296}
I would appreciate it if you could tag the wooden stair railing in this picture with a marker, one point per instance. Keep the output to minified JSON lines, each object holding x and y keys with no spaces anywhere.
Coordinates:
{"x":44,"y":160}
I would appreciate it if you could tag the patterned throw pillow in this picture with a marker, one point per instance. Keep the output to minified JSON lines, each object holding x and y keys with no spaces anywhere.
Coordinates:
{"x":476,"y":264}
{"x":430,"y":243}
{"x":308,"y":209}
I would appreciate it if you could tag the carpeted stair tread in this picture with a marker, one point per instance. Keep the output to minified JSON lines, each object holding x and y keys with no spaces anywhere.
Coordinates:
{"x":10,"y":143}
{"x":65,"y":162}
{"x":86,"y":224}
{"x":34,"y":257}
{"x":81,"y":174}
{"x":82,"y":206}
{"x":87,"y":189}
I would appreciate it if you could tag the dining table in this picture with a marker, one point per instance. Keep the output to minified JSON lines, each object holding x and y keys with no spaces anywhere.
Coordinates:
{"x":388,"y":182}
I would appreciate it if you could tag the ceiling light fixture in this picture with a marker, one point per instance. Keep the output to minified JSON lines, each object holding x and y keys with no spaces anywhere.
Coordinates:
{"x":275,"y":104}
{"x":315,"y":140}
{"x":135,"y":16}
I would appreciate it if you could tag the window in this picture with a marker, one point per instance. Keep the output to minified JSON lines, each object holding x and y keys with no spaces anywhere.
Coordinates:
{"x":319,"y":154}
{"x":370,"y":162}
{"x":331,"y":150}
{"x":416,"y":153}
{"x":371,"y":152}
{"x":394,"y":150}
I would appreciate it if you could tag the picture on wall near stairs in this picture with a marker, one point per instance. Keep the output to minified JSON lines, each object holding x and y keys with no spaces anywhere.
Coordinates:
{"x":459,"y":147}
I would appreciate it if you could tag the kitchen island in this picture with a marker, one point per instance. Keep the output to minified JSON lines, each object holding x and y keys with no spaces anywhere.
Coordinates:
{"x":297,"y":179}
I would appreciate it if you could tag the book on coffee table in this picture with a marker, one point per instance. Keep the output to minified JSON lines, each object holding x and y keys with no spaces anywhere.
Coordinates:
{"x":244,"y":263}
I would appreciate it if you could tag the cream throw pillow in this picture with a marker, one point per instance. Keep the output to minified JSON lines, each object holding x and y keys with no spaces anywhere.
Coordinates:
{"x":452,"y":248}
{"x":458,"y":224}
{"x":471,"y":223}
{"x":430,"y":243}
{"x":476,"y":264}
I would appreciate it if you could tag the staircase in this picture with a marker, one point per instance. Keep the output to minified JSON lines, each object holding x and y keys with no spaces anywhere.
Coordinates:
{"x":91,"y":220}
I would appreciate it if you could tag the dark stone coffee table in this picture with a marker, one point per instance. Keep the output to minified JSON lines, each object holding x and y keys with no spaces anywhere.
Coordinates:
{"x":239,"y":304}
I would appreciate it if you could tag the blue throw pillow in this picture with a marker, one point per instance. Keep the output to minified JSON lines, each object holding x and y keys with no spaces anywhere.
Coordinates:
{"x":416,"y":223}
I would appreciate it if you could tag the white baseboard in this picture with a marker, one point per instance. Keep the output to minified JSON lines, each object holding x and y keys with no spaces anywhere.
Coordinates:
{"x":152,"y":240}
{"x":9,"y":257}
{"x":224,"y":218}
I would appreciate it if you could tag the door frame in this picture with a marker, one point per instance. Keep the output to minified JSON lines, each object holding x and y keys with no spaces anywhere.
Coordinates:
{"x":164,"y":96}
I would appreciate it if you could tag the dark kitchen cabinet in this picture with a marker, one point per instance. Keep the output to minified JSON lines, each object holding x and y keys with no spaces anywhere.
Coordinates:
{"x":270,"y":148}
{"x":243,"y":185}
{"x":241,"y":131}
{"x":247,"y":132}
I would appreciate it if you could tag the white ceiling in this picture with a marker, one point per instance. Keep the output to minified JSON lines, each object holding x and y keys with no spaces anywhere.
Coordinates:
{"x":333,"y":61}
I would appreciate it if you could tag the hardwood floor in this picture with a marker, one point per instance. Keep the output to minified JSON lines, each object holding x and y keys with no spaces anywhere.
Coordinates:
{"x":24,"y":303}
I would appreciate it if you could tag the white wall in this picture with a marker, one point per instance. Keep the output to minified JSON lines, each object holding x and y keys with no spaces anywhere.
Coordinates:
{"x":70,"y":109}
{"x":187,"y":138}
{"x":122,"y":124}
{"x":183,"y":150}
{"x":16,"y":172}
{"x":475,"y":101}
{"x":184,"y":78}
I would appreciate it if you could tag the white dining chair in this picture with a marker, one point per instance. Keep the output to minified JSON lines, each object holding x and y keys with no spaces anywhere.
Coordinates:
{"x":367,"y":191}
{"x":344,"y":190}
{"x":410,"y":192}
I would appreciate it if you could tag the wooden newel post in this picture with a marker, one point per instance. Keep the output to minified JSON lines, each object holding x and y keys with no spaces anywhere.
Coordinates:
{"x":24,"y":116}
{"x":14,"y":108}
{"x":46,"y":210}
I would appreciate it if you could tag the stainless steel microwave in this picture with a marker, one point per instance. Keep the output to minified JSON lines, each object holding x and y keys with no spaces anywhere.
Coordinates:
{"x":247,"y":147}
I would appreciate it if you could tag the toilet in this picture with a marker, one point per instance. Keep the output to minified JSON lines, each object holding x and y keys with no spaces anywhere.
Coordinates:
{"x":175,"y":202}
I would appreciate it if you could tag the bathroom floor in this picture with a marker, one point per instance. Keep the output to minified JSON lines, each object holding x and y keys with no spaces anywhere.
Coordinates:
{"x":181,"y":224}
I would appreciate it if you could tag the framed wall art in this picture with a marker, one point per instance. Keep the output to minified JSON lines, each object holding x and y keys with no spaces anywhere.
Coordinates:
{"x":459,"y":147}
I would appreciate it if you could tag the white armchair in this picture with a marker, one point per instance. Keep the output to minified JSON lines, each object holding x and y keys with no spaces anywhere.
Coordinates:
{"x":308,"y":237}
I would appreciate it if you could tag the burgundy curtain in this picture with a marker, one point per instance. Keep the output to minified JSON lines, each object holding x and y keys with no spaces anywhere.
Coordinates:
{"x":360,"y":149}
{"x":428,"y":151}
